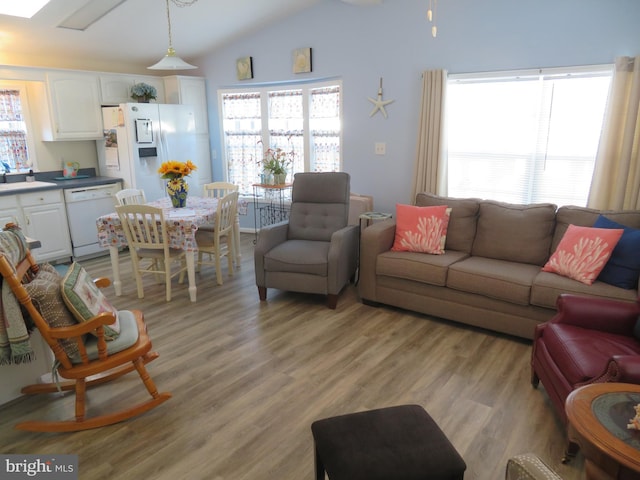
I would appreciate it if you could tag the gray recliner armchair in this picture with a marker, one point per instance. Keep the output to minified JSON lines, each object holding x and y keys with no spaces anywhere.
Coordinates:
{"x":315,"y":251}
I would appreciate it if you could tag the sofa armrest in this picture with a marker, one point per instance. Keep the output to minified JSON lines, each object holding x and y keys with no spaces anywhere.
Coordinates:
{"x":602,"y":314}
{"x":375,"y":239}
{"x":529,"y":467}
{"x":626,"y":368}
{"x":269,"y":237}
{"x":343,"y":257}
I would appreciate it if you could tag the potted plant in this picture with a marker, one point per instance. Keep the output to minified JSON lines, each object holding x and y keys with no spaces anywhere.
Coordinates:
{"x":143,"y":92}
{"x":276,"y":161}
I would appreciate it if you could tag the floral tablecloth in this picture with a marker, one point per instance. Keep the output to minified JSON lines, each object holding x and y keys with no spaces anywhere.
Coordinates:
{"x":182,"y":223}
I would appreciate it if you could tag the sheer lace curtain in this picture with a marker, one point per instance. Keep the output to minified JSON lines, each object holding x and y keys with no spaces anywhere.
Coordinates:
{"x":616,"y":177}
{"x":243,"y":131}
{"x":430,"y":171}
{"x":13,"y":137}
{"x":304,"y":120}
{"x":325,"y":130}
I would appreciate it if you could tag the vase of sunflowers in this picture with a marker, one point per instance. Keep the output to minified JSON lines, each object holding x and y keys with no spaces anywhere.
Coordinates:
{"x":177,"y":187}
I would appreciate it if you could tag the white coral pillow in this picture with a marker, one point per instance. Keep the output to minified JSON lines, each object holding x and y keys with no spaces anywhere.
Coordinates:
{"x":421,"y":229}
{"x":583,"y":252}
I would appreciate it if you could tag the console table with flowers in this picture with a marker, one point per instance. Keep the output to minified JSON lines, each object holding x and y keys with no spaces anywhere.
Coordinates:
{"x":270,"y":204}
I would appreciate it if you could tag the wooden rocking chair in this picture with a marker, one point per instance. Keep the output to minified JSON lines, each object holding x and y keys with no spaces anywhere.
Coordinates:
{"x":98,"y":361}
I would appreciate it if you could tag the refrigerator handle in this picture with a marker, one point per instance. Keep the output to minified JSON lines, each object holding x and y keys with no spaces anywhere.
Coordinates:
{"x":163,"y":146}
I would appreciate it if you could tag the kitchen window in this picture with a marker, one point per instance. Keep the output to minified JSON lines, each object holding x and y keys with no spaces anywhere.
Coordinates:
{"x":525,"y":137}
{"x":304,"y":118}
{"x":15,"y":143}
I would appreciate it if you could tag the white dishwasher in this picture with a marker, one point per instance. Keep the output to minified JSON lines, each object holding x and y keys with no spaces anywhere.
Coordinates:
{"x":84,"y":206}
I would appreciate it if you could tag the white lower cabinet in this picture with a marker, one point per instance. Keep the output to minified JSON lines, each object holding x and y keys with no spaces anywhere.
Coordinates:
{"x":10,"y":211}
{"x":42,"y":216}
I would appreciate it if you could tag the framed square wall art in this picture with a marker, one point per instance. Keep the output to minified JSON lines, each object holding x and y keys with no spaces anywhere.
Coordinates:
{"x":244,"y":68}
{"x":302,"y":60}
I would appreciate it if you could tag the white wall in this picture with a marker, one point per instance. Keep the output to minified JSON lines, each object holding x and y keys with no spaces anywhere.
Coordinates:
{"x":393,"y":40}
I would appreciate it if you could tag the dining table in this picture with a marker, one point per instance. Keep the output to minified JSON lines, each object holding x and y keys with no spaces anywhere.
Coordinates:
{"x":182,"y":225}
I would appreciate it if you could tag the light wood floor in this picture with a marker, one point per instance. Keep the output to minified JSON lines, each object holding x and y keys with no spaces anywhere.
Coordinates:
{"x":248,"y":378}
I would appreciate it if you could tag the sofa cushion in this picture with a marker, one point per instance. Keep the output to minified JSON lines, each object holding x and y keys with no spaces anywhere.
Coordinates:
{"x":462,"y":219}
{"x":586,"y":217}
{"x":517,"y":233}
{"x":582,"y":353}
{"x":299,"y":256}
{"x":583,"y":252}
{"x":421,"y":229}
{"x":431,"y":269}
{"x":547,"y":286}
{"x":127,"y":337}
{"x":500,"y":279}
{"x":623,"y":268}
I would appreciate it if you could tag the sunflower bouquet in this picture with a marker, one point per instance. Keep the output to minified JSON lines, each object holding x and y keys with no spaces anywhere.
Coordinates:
{"x":173,"y":169}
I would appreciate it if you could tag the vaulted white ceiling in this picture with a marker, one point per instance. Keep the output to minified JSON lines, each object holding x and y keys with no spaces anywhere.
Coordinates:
{"x":134,"y":33}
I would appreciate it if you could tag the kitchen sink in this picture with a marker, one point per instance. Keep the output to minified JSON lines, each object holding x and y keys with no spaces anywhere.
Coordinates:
{"x":8,"y":187}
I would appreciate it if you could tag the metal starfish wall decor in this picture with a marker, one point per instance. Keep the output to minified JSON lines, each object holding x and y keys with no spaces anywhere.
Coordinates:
{"x":378,"y":103}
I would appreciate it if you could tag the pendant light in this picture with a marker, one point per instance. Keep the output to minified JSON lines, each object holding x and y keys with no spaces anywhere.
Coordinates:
{"x":171,"y":61}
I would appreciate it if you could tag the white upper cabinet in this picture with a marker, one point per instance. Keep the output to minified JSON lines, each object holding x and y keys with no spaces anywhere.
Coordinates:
{"x":189,"y":91}
{"x":74,"y":106}
{"x":116,"y":89}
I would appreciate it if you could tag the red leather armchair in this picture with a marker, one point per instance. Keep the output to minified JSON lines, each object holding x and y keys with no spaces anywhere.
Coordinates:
{"x":589,"y":340}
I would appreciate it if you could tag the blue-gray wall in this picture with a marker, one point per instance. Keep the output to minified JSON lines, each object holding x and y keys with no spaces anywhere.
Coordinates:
{"x":393,"y":40}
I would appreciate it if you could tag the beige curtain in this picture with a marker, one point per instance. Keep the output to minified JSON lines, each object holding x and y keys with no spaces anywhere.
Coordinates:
{"x":430,"y":172}
{"x":616,"y":177}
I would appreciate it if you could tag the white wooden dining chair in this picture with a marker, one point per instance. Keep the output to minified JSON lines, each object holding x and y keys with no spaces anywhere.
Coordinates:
{"x":146,"y":232}
{"x":216,"y":190}
{"x":219,"y":241}
{"x":219,"y":190}
{"x":131,"y":196}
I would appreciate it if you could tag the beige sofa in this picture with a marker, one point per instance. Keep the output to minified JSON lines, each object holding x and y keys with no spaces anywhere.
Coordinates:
{"x":490,"y":275}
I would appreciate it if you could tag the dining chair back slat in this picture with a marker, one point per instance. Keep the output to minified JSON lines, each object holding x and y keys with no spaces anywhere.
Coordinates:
{"x":219,"y":241}
{"x":219,"y":189}
{"x":145,"y":229}
{"x":131,"y":196}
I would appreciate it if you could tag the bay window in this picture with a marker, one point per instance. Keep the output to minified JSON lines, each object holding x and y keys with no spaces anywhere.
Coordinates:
{"x":305,"y":119}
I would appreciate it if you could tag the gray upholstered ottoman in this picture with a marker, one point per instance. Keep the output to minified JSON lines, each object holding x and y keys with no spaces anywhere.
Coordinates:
{"x":394,"y":443}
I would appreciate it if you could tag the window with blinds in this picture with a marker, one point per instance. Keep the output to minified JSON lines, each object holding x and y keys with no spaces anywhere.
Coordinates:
{"x":305,"y":119}
{"x":525,"y":137}
{"x":14,"y":151}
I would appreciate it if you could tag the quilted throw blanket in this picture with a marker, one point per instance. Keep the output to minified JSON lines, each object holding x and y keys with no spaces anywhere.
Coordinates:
{"x":14,"y":335}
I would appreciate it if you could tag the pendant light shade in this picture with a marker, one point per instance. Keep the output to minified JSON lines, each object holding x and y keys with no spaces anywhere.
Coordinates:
{"x":171,"y":61}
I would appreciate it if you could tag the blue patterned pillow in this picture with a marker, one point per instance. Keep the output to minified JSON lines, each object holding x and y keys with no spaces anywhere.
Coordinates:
{"x":623,"y":268}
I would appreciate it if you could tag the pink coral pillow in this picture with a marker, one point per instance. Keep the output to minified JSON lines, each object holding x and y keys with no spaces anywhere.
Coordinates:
{"x":421,"y":229}
{"x":583,"y":252}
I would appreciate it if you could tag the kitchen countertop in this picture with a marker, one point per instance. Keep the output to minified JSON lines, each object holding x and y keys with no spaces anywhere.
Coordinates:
{"x":92,"y":181}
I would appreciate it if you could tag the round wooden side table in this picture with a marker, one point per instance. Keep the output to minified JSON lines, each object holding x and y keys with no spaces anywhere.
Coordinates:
{"x":598,"y":415}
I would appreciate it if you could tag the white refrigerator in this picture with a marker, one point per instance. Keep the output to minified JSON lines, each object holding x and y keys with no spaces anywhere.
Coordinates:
{"x":138,"y":137}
